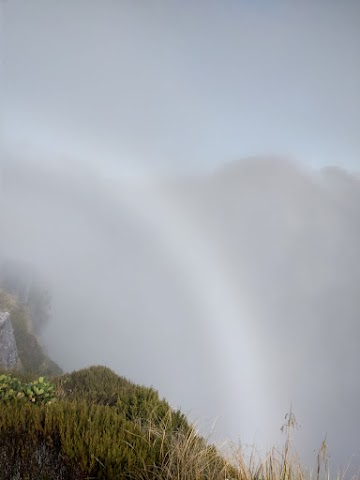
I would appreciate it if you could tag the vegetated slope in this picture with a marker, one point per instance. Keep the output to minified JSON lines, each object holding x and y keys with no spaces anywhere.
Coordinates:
{"x":101,"y":426}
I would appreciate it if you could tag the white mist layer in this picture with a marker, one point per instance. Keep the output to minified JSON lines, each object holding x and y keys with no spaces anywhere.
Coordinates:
{"x":235,"y":294}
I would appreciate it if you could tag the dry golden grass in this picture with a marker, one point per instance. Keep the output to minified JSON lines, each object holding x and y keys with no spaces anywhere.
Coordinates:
{"x":190,"y":457}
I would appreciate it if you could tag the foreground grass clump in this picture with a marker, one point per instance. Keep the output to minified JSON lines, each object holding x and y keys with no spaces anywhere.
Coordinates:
{"x":73,"y":437}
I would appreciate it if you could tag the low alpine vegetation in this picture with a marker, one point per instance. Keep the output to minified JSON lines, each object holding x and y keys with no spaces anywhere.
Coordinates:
{"x":39,"y":391}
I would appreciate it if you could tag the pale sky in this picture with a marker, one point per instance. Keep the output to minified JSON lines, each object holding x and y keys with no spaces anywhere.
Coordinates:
{"x":181,"y":86}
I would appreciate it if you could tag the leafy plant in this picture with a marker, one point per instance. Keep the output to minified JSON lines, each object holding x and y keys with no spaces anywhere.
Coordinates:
{"x":12,"y":389}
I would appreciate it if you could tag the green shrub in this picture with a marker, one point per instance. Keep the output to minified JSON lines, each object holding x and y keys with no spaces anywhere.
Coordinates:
{"x":101,"y":386}
{"x":86,"y":440}
{"x":12,"y":389}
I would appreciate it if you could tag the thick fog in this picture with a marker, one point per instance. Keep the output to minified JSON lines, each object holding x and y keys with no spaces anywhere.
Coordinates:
{"x":139,"y":185}
{"x":234,"y":293}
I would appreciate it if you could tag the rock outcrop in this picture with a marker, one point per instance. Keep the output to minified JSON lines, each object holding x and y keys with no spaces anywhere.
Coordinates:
{"x":9,"y":358}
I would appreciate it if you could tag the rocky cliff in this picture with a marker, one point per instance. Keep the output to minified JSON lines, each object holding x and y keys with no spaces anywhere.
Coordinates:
{"x":20,"y":348}
{"x":9,"y":358}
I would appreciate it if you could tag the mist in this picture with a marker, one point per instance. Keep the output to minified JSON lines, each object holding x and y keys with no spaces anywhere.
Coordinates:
{"x":183,"y":178}
{"x":235,"y":293}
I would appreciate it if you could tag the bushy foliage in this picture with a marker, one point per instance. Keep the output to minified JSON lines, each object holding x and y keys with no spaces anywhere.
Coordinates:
{"x":89,"y":440}
{"x":39,"y":391}
{"x":100,"y":385}
{"x":11,"y":389}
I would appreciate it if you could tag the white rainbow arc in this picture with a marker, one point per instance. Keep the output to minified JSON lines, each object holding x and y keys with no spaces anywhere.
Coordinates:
{"x":227,"y":318}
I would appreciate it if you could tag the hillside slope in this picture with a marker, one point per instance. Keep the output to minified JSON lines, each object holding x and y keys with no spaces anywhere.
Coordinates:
{"x":99,"y":426}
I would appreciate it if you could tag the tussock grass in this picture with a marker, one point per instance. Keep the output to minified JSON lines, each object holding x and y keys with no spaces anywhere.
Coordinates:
{"x":187,"y":456}
{"x":77,"y":441}
{"x":182,"y":455}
